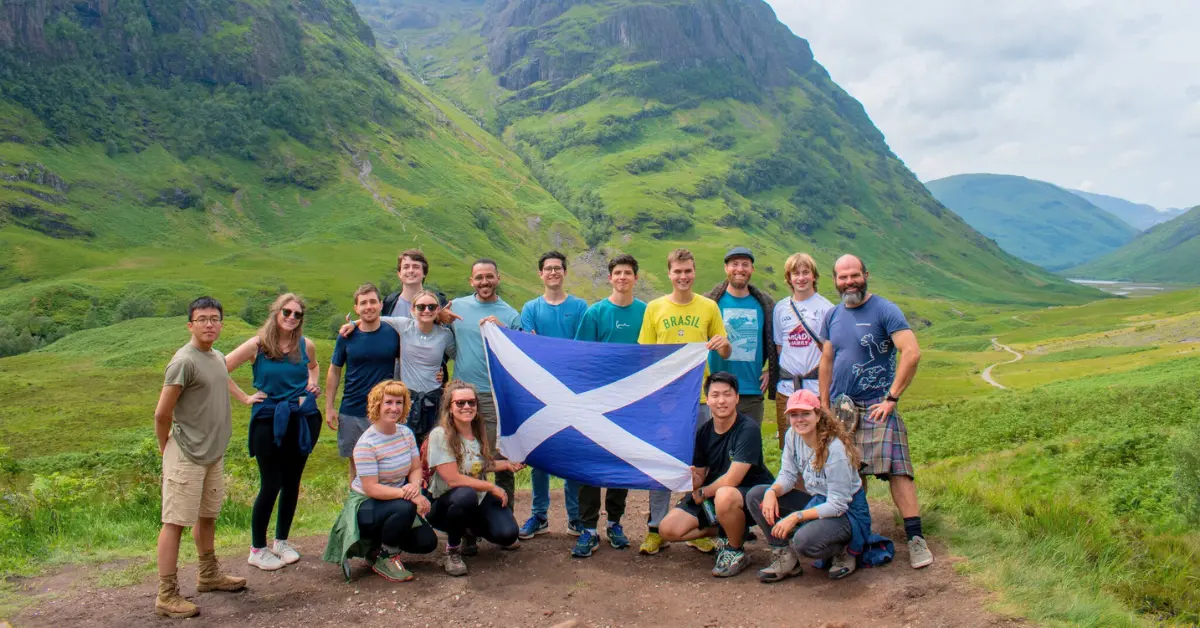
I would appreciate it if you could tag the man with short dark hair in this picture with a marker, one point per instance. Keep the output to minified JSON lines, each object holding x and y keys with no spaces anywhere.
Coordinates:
{"x":412,"y":269}
{"x":726,"y":465}
{"x":555,"y":314}
{"x":617,"y":318}
{"x":369,"y":357}
{"x":861,"y":381}
{"x":193,"y":422}
{"x":747,"y":314}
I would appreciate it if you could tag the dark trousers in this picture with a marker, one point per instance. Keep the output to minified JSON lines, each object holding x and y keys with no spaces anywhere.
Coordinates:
{"x":820,"y":538}
{"x":460,"y":509}
{"x":390,"y":522}
{"x":279,"y":471}
{"x":589,"y":505}
{"x":504,"y":479}
{"x":423,"y":415}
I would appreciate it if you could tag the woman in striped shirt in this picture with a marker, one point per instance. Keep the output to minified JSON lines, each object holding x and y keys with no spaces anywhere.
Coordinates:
{"x":388,"y":463}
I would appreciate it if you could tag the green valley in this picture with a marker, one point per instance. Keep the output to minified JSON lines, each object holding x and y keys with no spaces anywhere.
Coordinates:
{"x":1167,"y":252}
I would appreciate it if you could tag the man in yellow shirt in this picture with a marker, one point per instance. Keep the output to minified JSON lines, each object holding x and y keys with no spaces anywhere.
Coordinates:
{"x":679,"y":318}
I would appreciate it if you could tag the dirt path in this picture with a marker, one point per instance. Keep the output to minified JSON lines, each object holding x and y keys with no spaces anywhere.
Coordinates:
{"x":541,"y":585}
{"x":987,"y":372}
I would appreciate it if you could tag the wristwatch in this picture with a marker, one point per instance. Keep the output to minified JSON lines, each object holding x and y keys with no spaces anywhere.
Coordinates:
{"x":892,"y":398}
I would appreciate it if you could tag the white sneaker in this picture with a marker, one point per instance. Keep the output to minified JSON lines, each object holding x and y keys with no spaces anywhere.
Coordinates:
{"x":284,"y":550}
{"x":918,"y":553}
{"x":264,"y":559}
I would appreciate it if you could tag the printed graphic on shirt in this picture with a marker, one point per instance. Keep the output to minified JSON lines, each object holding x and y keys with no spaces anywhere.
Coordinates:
{"x":869,"y":377}
{"x":743,"y":327}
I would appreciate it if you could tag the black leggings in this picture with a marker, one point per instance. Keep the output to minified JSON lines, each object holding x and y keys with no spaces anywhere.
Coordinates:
{"x":459,"y":509}
{"x":279,"y":471}
{"x":390,"y":522}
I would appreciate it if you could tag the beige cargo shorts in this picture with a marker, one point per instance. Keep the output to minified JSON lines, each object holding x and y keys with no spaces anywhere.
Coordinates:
{"x":189,"y":490}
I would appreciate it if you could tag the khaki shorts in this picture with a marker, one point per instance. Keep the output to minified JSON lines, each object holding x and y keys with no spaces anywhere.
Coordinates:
{"x":189,"y":490}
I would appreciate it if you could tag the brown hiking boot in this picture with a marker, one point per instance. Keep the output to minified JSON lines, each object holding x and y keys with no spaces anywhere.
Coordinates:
{"x":210,"y":578}
{"x":169,"y":603}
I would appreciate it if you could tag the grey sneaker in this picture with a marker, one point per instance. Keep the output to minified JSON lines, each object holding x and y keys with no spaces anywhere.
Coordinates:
{"x":264,"y":559}
{"x":918,"y":553}
{"x":842,"y":565}
{"x":286,"y":551}
{"x":730,"y":562}
{"x":454,"y":562}
{"x":784,"y":564}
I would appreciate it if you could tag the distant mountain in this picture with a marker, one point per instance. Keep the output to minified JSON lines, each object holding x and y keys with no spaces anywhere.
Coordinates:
{"x":1138,"y":215}
{"x":1168,"y":252}
{"x":1036,"y":221}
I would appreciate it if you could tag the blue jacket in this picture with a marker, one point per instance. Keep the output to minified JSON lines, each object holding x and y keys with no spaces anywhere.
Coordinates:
{"x":870,"y":548}
{"x":282,"y":413}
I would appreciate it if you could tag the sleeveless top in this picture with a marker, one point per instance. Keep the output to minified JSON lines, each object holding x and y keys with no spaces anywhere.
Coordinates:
{"x":282,"y":379}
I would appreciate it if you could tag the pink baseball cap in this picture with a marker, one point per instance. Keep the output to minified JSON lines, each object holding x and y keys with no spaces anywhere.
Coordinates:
{"x":803,"y":399}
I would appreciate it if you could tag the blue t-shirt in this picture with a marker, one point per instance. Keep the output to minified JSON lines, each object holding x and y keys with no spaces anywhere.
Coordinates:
{"x":471,"y":364}
{"x":864,"y":359}
{"x":369,"y":357}
{"x":608,"y":322}
{"x":555,"y":321}
{"x":744,"y":323}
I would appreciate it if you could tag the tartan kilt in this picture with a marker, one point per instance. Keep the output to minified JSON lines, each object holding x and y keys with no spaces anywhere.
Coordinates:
{"x":884,"y":446}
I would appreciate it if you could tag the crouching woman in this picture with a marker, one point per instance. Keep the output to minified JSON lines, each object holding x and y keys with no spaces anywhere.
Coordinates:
{"x":383,"y":515}
{"x":829,"y":521}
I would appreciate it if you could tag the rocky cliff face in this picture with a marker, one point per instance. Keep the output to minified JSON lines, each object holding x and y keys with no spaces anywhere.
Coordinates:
{"x":558,"y":40}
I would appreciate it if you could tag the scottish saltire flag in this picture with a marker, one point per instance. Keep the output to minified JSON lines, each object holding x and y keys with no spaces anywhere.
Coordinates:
{"x":613,"y":415}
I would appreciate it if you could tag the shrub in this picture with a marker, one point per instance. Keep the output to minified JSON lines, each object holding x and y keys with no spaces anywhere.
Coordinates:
{"x":134,"y":307}
{"x":1187,"y":472}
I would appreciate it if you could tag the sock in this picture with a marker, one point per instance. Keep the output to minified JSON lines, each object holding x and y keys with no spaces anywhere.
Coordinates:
{"x":912,"y":527}
{"x":390,"y":550}
{"x":592,"y":530}
{"x":653,"y":529}
{"x":608,"y":525}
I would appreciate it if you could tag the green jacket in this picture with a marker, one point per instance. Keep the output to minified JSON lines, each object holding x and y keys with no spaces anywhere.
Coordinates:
{"x":344,"y":542}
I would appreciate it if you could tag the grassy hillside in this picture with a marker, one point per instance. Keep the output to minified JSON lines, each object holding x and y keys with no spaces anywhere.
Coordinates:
{"x":1140,"y":216}
{"x":1168,"y":252}
{"x":1036,"y":221}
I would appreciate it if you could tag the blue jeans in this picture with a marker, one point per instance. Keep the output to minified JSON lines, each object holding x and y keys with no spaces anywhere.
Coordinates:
{"x":541,"y":496}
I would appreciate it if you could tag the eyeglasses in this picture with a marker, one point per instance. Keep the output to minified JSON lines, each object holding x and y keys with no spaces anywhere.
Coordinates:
{"x":296,"y":314}
{"x":465,"y":403}
{"x":553,"y":269}
{"x":426,"y":307}
{"x":207,"y":320}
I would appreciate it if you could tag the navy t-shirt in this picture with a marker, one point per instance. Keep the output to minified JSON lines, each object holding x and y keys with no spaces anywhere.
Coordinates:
{"x":369,"y":357}
{"x":864,"y":362}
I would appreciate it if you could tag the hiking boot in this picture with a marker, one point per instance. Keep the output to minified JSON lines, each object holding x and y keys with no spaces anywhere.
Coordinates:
{"x":587,"y":543}
{"x":784,"y":564}
{"x":652,"y":544}
{"x":532,"y":527}
{"x":392,"y":569}
{"x":454,"y":562}
{"x":169,"y":603}
{"x":730,"y":562}
{"x":470,"y":545}
{"x":264,"y":559}
{"x":210,"y":578}
{"x":574,"y":528}
{"x":285,"y":551}
{"x":704,"y":544}
{"x":616,"y":536}
{"x":842,"y":565}
{"x":918,"y":553}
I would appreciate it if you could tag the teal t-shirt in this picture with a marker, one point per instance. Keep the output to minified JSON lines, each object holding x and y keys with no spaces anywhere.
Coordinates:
{"x":471,"y":364}
{"x":554,"y":321}
{"x":608,"y":322}
{"x":744,"y":322}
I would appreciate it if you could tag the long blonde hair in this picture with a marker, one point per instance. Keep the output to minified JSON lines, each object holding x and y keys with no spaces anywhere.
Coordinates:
{"x":828,"y":428}
{"x":454,"y":440}
{"x":268,"y":335}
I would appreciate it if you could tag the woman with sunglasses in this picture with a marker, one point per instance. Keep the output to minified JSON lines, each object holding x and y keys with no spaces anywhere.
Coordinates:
{"x":459,"y":457}
{"x":284,"y":423}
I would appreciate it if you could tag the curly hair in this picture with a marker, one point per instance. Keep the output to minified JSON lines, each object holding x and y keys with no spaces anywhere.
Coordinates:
{"x":828,"y":428}
{"x":392,"y":387}
{"x":454,"y":440}
{"x":269,"y":334}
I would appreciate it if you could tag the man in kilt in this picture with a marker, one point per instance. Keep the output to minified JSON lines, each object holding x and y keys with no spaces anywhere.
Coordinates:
{"x":862,"y":381}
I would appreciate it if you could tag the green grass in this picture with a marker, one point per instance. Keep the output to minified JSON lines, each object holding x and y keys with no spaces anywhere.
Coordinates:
{"x":1163,"y":253}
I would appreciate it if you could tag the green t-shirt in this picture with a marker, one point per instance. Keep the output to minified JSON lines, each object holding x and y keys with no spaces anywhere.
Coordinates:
{"x":439,"y":453}
{"x":605,"y":321}
{"x":203,"y":418}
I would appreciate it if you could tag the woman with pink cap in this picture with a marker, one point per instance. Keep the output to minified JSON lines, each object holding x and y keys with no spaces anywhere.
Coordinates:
{"x":828,"y":518}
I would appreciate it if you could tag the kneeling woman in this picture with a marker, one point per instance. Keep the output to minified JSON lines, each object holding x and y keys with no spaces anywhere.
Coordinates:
{"x":833,"y":519}
{"x":465,"y":504}
{"x":385,"y":505}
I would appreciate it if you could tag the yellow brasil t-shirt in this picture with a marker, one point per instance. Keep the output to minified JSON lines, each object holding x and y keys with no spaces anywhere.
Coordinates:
{"x":667,"y":323}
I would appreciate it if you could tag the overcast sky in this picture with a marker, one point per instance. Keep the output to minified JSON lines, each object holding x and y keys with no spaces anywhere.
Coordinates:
{"x":1102,"y":95}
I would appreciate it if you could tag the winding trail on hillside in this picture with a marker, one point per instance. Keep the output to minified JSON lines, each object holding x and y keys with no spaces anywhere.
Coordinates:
{"x":987,"y":372}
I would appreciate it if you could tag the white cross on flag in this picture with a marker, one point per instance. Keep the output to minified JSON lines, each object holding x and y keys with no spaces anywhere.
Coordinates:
{"x":613,"y":415}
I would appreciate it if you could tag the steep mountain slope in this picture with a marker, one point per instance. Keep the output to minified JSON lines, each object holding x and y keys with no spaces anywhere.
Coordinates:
{"x":1168,"y":252}
{"x":696,"y":122}
{"x":1037,"y":221}
{"x":1138,"y":215}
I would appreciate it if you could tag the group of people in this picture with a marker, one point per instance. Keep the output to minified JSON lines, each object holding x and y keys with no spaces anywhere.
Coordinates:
{"x":421,"y":448}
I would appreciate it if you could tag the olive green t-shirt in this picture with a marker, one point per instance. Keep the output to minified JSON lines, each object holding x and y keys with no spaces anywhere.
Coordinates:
{"x":203,"y":418}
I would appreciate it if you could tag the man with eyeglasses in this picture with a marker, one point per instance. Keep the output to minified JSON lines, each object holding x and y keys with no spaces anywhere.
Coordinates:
{"x":555,"y":314}
{"x":193,"y":422}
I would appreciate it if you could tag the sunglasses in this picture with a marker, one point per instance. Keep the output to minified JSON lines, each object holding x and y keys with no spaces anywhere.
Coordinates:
{"x":426,"y":307}
{"x":296,"y":314}
{"x":465,"y":403}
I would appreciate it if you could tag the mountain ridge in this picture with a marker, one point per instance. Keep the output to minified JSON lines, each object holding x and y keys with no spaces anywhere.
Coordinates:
{"x":1140,"y":216}
{"x":1168,"y":252}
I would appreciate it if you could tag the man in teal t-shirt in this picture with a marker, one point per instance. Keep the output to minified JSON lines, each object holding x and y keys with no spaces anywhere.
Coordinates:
{"x":617,"y":318}
{"x":747,"y":313}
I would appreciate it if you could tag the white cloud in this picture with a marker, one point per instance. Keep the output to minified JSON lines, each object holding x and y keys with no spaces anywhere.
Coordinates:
{"x":1078,"y":90}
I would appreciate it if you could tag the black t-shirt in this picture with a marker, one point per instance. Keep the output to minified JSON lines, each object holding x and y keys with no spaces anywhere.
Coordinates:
{"x":742,"y":443}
